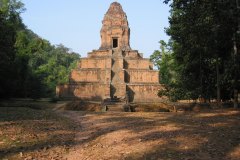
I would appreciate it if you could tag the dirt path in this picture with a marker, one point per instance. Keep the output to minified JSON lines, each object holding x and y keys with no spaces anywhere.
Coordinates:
{"x":166,"y":136}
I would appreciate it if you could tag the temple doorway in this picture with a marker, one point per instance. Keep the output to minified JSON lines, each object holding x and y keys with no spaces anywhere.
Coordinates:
{"x":115,"y":43}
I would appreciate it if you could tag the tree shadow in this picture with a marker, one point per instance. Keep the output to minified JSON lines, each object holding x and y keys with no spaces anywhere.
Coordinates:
{"x":213,"y":136}
{"x":202,"y":135}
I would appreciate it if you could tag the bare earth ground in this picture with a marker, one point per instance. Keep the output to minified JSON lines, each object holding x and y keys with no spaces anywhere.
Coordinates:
{"x":34,"y":133}
{"x":30,"y":133}
{"x":163,"y":136}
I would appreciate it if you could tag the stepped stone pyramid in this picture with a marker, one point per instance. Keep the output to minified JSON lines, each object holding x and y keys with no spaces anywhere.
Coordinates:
{"x":114,"y":70}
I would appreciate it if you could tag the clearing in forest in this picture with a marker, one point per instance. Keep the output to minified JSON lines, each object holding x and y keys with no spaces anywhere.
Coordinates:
{"x":34,"y":133}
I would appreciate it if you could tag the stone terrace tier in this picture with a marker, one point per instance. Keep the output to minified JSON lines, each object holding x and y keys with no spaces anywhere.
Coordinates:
{"x":112,"y":75}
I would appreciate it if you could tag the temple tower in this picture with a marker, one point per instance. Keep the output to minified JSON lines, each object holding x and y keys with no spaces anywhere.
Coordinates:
{"x":114,"y":69}
{"x":115,"y":32}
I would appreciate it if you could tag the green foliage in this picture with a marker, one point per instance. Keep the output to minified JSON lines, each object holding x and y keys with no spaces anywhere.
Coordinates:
{"x":51,"y":65}
{"x":29,"y":65}
{"x":10,"y":23}
{"x":169,"y":72}
{"x":202,"y":35}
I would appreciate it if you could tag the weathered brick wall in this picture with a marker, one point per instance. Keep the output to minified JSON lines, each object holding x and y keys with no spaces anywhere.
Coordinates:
{"x":114,"y":32}
{"x":120,"y":62}
{"x":90,"y":75}
{"x":144,"y":93}
{"x":100,"y":53}
{"x":119,"y":89}
{"x":95,"y":63}
{"x":137,"y":64}
{"x":131,"y":54}
{"x":85,"y":91}
{"x":115,"y":25}
{"x":142,"y":76}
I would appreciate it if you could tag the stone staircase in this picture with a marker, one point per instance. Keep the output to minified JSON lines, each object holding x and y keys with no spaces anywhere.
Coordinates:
{"x":114,"y":105}
{"x":117,"y":85}
{"x":115,"y":71}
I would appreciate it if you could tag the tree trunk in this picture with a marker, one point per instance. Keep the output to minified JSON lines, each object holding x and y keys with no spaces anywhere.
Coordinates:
{"x":235,"y":102}
{"x":201,"y":77}
{"x":235,"y":98}
{"x":218,"y":85}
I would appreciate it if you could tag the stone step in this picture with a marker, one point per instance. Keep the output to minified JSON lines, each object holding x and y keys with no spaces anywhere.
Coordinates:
{"x":120,"y":107}
{"x":115,"y":68}
{"x":114,"y":103}
{"x":115,"y":80}
{"x":115,"y":109}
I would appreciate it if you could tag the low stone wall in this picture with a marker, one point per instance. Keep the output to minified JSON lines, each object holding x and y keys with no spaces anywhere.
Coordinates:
{"x":90,"y":75}
{"x":95,"y":63}
{"x":100,"y":53}
{"x":144,"y":93}
{"x":138,"y":64}
{"x":142,"y":76}
{"x":132,"y":54}
{"x":84,"y":91}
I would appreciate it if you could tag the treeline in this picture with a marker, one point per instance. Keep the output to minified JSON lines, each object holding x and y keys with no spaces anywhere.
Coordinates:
{"x":29,"y":65}
{"x":202,"y":58}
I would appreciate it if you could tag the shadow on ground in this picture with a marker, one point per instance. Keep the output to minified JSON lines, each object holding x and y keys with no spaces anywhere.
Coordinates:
{"x":41,"y":134}
{"x":201,"y":135}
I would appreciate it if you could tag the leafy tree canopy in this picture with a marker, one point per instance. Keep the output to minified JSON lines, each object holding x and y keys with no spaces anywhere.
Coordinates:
{"x":29,"y":65}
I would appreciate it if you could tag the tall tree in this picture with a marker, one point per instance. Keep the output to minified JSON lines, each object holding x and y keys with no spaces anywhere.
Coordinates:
{"x":203,"y":33}
{"x":42,"y":66}
{"x":10,"y":23}
{"x":29,"y":65}
{"x":169,"y":77}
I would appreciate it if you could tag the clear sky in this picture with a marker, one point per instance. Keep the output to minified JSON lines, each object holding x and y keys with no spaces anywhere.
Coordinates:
{"x":76,"y":23}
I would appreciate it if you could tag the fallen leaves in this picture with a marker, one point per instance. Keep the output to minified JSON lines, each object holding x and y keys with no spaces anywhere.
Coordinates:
{"x":39,"y":134}
{"x":157,"y":135}
{"x":28,"y":134}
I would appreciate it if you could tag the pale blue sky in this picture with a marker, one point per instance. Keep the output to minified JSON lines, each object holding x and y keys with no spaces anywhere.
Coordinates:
{"x":77,"y":23}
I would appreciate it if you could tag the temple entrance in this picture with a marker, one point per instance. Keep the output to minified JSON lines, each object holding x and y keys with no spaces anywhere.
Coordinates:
{"x":115,"y":43}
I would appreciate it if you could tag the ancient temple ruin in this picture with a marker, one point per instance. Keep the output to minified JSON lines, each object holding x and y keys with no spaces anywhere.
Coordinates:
{"x":114,"y":69}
